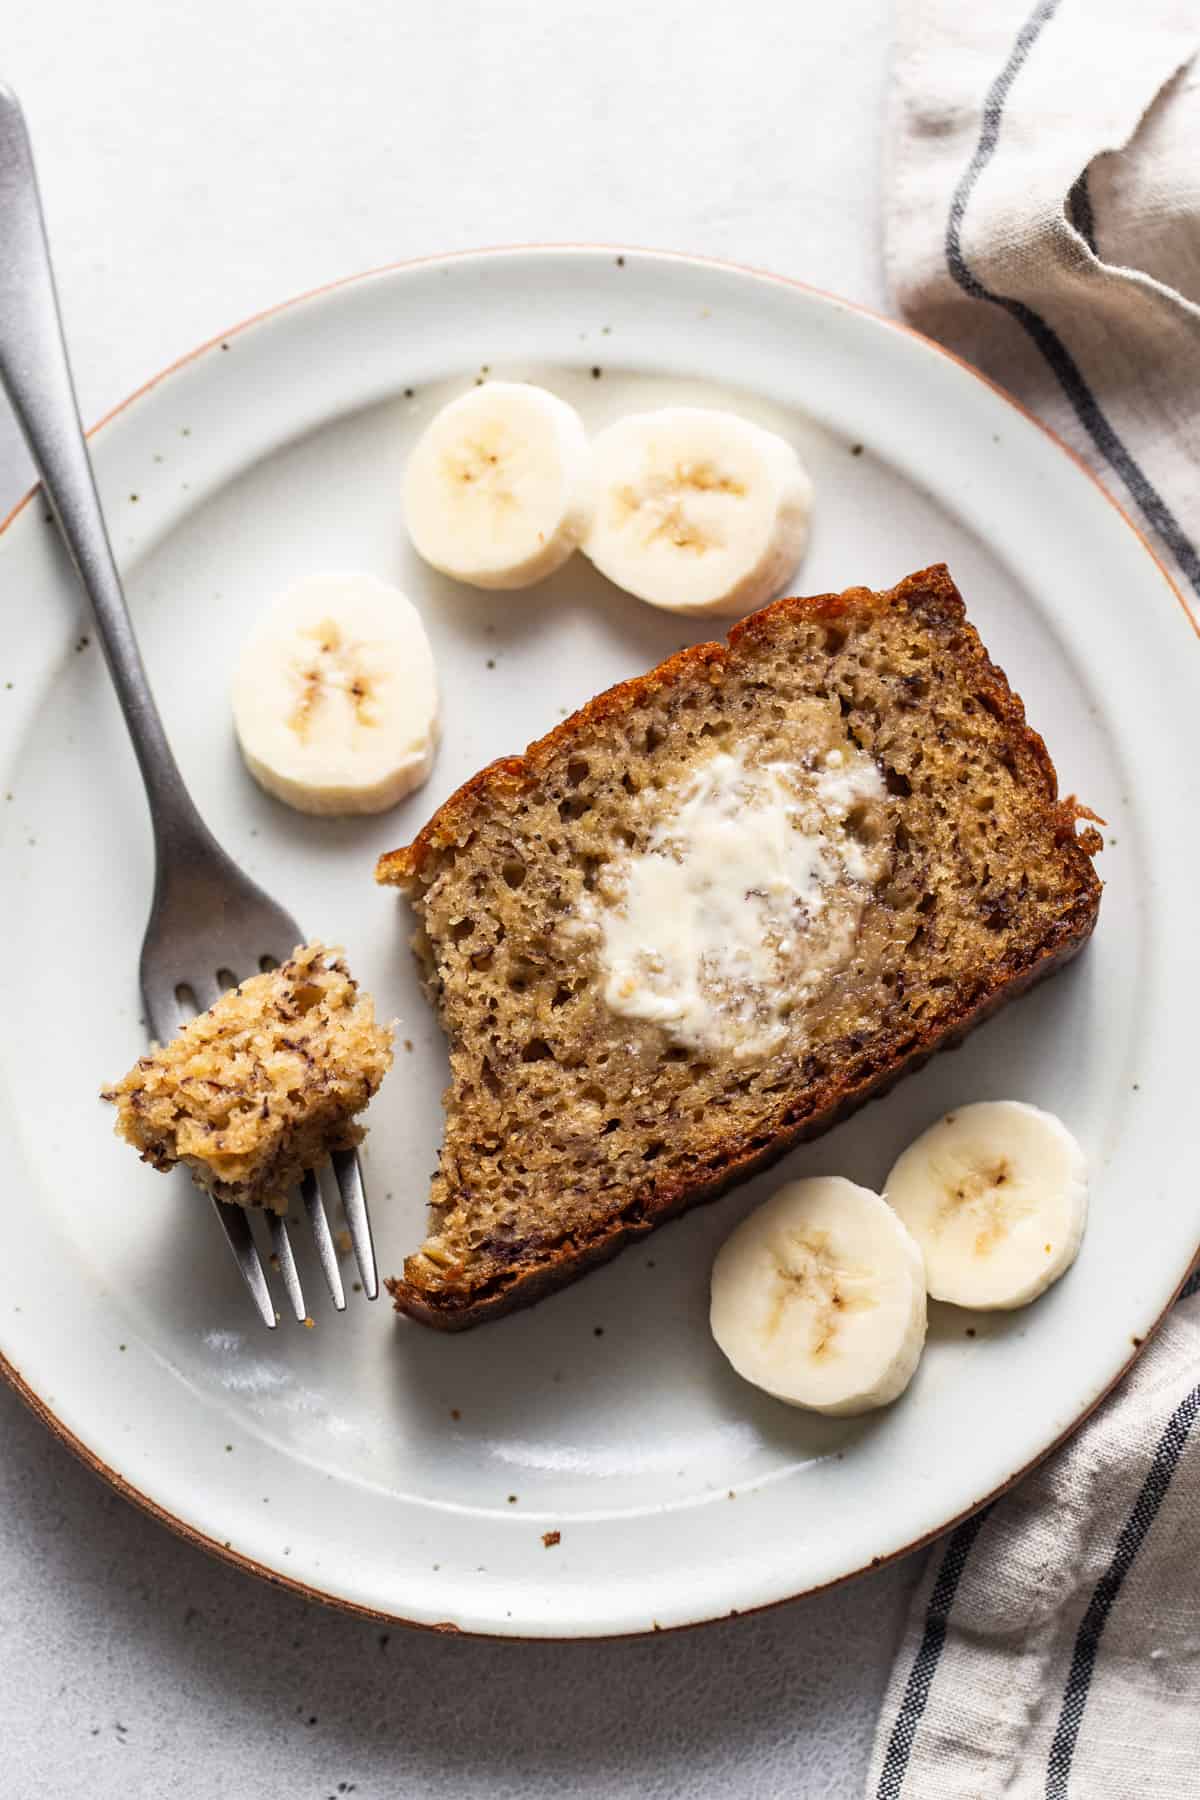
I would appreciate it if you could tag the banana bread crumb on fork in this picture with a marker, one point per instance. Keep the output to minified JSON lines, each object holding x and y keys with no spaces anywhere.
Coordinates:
{"x":259,"y":1089}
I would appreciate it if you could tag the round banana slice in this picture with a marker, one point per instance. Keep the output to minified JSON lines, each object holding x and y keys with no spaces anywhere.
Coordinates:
{"x":819,"y":1298}
{"x":996,"y":1196}
{"x":335,"y":700}
{"x":497,"y":492}
{"x":697,"y":510}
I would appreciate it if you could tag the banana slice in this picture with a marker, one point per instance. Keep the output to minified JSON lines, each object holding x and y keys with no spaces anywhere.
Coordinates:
{"x":996,"y":1196}
{"x":697,"y":511}
{"x":335,"y":698}
{"x":819,"y":1297}
{"x":497,"y":492}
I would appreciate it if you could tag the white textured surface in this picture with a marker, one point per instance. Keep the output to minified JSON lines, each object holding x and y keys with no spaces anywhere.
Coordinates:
{"x":199,"y":162}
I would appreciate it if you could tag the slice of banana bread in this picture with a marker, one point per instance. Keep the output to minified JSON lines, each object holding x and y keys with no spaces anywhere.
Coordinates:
{"x":262,"y":1086}
{"x":714,"y":912}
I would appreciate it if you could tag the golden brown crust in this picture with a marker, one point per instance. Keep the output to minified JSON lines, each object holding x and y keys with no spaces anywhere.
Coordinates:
{"x":463,"y":1296}
{"x":930,"y":592}
{"x":461,"y":1309}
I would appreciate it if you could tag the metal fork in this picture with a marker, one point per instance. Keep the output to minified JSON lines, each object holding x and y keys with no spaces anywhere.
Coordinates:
{"x":208,"y":921}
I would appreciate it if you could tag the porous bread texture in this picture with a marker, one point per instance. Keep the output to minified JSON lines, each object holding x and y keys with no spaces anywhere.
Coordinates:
{"x":571,"y":1130}
{"x":259,"y":1089}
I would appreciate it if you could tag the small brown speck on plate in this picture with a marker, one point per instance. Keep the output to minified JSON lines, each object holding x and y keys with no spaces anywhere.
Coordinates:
{"x":550,"y":1538}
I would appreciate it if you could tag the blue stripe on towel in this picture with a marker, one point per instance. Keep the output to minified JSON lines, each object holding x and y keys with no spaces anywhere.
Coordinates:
{"x":1087,"y":1642}
{"x":920,"y":1676}
{"x":1070,"y":377}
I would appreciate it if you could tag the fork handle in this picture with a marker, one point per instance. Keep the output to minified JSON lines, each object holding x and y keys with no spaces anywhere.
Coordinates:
{"x":36,"y":375}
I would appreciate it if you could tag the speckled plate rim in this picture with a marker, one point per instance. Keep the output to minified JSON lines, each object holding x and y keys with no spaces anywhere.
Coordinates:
{"x":189,"y":1531}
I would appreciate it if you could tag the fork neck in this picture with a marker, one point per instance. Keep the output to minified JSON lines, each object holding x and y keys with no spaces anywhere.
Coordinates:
{"x":70,"y":491}
{"x":77,"y":510}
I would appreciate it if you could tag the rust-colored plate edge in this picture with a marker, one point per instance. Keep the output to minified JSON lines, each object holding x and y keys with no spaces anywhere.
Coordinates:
{"x":238,"y":1560}
{"x":225,"y":1551}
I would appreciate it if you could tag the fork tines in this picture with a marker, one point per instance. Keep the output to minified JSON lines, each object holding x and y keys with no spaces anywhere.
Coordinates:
{"x":236,"y":1226}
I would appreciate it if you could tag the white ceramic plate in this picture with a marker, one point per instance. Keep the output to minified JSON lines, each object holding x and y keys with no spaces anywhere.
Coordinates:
{"x":367,"y":1459}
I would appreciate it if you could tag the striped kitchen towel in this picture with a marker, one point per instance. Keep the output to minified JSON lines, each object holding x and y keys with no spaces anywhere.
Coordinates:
{"x":1043,"y":220}
{"x":1052,"y":1651}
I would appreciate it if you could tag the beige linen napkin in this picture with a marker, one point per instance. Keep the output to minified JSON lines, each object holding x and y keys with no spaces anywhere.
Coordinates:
{"x":1043,"y":220}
